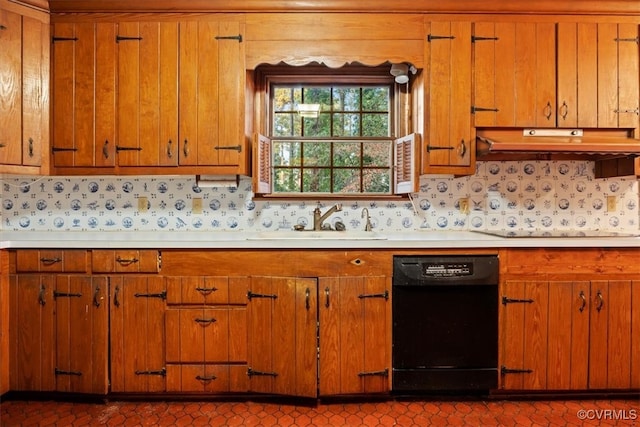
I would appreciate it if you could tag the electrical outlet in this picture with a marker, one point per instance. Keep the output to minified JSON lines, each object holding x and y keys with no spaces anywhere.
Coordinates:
{"x":196,"y":205}
{"x":464,"y":205}
{"x":612,"y":202}
{"x":143,"y":204}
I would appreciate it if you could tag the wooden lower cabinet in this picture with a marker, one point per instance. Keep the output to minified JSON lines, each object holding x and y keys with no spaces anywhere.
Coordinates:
{"x":282,"y":314}
{"x":206,"y":334}
{"x":137,"y":335}
{"x":32,"y":332}
{"x":81,"y":322}
{"x":312,"y":337}
{"x":570,"y":335}
{"x":354,"y":339}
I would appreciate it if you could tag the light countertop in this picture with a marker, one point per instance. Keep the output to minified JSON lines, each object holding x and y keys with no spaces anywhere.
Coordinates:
{"x":289,"y":240}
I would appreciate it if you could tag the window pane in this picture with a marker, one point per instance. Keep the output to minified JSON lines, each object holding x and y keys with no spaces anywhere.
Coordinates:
{"x":318,"y":95}
{"x":286,"y":153}
{"x":375,"y":124}
{"x":316,"y":180}
{"x":377,"y":180}
{"x":286,"y":124}
{"x":346,"y":99}
{"x":286,"y":180}
{"x":318,"y":127}
{"x":285,"y":98}
{"x":376,"y":154}
{"x":317,"y":153}
{"x":346,"y":154}
{"x":346,"y":181}
{"x":346,"y":124}
{"x":375,"y":99}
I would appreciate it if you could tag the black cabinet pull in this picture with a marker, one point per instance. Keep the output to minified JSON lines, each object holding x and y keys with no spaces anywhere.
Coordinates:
{"x":96,"y":297}
{"x":326,"y":296}
{"x":506,"y":300}
{"x":230,"y":147}
{"x":119,"y":148}
{"x":431,"y":37}
{"x":475,"y":109}
{"x":57,"y":294}
{"x":63,"y":39}
{"x":162,"y":372}
{"x":504,"y":370}
{"x":126,"y":261}
{"x":105,"y":149}
{"x":116,"y":296}
{"x":61,"y":372}
{"x":30,"y":149}
{"x":50,"y":261}
{"x":206,"y":379}
{"x":584,"y":301}
{"x":206,"y":291}
{"x":161,"y":295}
{"x":238,"y":37}
{"x":41,"y":299}
{"x":383,"y":373}
{"x":127,"y":38}
{"x":384,"y":295}
{"x":56,"y":149}
{"x":205,"y":322}
{"x":185,"y":148}
{"x":251,"y":372}
{"x":169,"y":149}
{"x":251,"y":295}
{"x":599,"y":300}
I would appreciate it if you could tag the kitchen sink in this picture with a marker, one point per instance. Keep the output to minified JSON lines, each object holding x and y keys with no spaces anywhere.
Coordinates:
{"x":312,"y":234}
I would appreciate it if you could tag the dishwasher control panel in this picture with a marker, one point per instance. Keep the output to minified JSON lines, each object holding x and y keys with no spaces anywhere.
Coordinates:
{"x":447,"y":269}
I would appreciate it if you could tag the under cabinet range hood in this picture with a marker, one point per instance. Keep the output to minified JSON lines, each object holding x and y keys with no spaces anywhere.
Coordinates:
{"x":544,"y":144}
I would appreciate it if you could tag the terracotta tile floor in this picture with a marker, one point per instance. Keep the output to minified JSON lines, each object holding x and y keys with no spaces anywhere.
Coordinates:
{"x":400,"y":413}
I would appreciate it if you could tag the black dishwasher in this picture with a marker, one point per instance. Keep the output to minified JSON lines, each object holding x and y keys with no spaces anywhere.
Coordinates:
{"x":445,"y":324}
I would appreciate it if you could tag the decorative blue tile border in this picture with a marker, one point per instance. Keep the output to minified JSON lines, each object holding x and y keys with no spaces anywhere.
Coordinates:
{"x":523,"y":195}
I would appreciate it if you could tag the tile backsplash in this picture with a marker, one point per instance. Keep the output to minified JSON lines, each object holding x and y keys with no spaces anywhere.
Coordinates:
{"x":517,"y":195}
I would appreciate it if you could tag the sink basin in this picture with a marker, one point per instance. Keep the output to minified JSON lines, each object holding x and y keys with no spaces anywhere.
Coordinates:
{"x":311,"y":234}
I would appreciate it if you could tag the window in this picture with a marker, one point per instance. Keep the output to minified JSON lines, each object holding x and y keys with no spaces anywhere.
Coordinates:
{"x":329,"y":134}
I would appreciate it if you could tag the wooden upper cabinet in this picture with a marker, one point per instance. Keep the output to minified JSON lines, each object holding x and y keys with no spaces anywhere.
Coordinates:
{"x":449,"y":146}
{"x":514,"y":74}
{"x":598,"y":68}
{"x":334,"y":39}
{"x":83,"y":92}
{"x":147,"y":94}
{"x":24,"y":72}
{"x":211,"y":95}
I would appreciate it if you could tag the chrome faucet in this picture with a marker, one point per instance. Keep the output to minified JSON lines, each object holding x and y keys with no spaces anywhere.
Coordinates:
{"x":365,"y":214}
{"x":319,"y":217}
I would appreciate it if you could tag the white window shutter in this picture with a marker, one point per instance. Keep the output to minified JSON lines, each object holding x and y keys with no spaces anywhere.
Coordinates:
{"x":406,"y":176}
{"x":262,"y":166}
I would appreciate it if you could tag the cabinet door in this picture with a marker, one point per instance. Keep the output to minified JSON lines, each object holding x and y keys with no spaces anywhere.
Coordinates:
{"x":147,"y":94}
{"x":83,"y":95}
{"x":137,"y":334}
{"x":32,"y":333}
{"x":568,"y":339}
{"x":282,"y":330}
{"x":35,"y":90}
{"x":354,"y":335}
{"x":610,"y":356}
{"x":523,"y":335}
{"x":605,"y":57}
{"x":81,"y":322}
{"x":211,"y":94}
{"x":515,"y":74}
{"x":10,"y":88}
{"x":449,"y":145}
{"x":618,"y":70}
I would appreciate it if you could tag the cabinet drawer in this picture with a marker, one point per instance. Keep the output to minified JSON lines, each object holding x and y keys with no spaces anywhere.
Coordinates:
{"x":126,"y":261}
{"x":207,"y":378}
{"x":197,"y":335}
{"x":207,"y":290}
{"x":67,"y":260}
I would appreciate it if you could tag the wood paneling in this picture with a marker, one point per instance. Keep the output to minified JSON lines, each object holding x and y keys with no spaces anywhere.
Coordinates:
{"x":5,"y":345}
{"x":465,"y":6}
